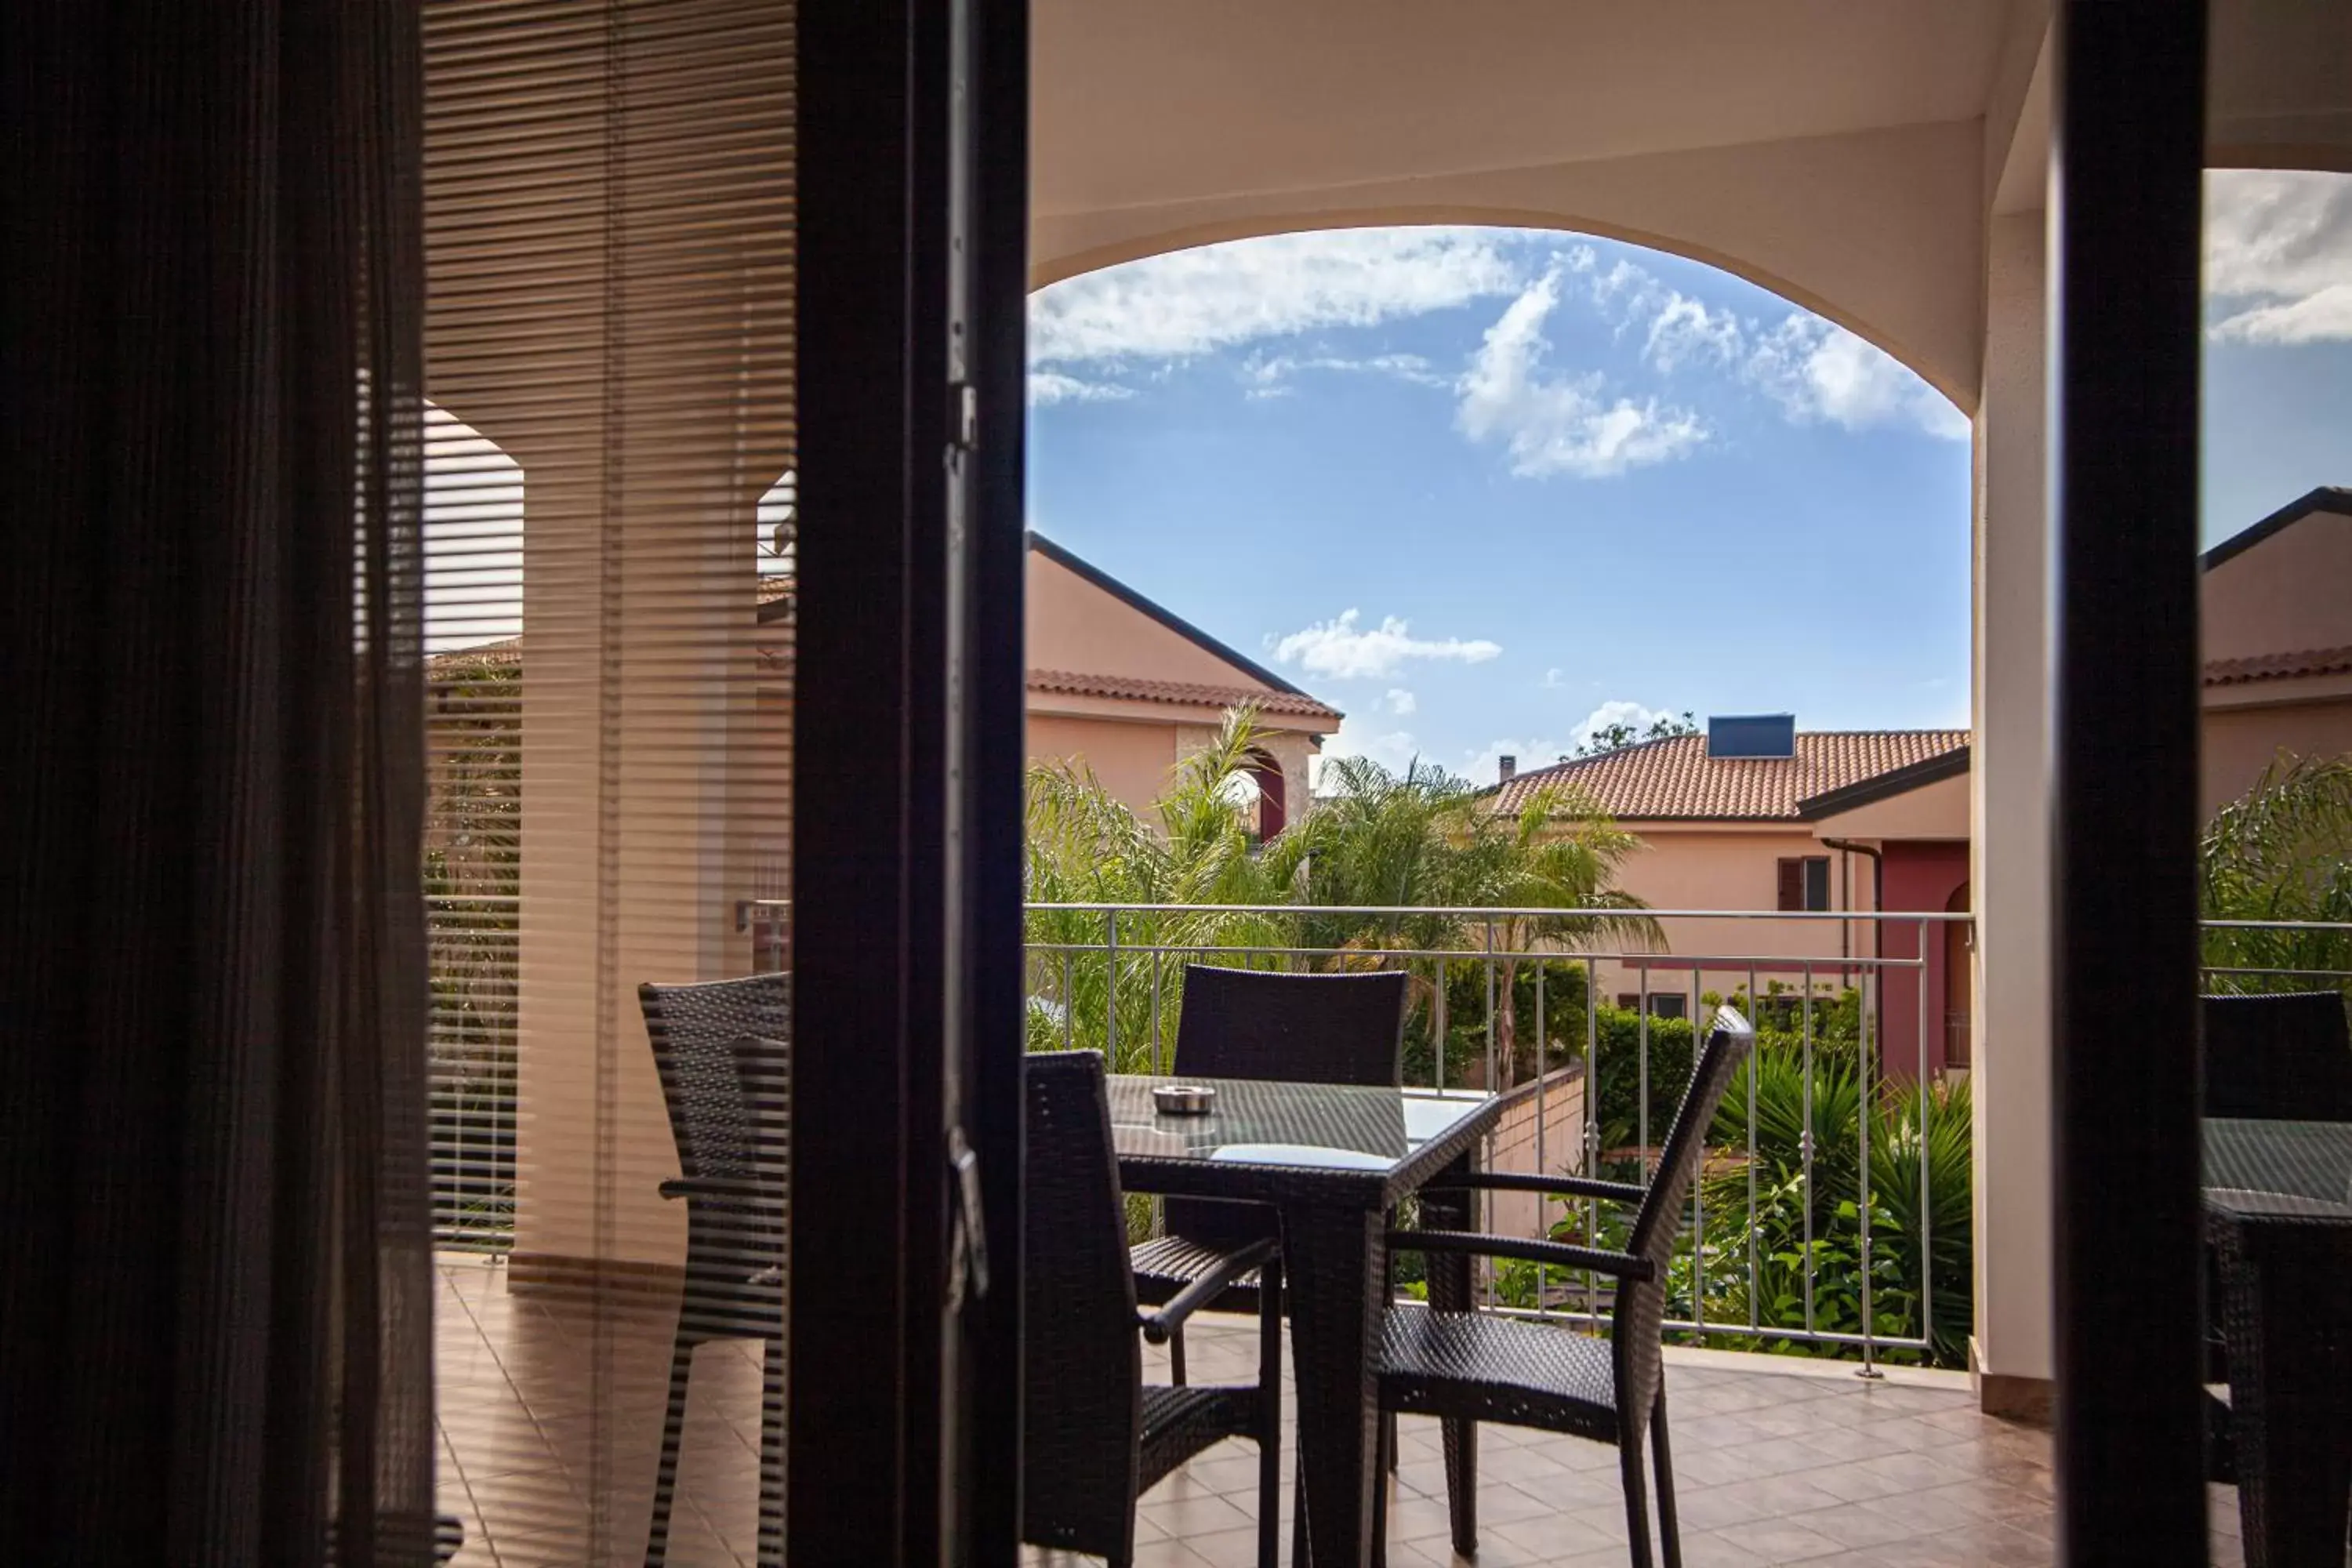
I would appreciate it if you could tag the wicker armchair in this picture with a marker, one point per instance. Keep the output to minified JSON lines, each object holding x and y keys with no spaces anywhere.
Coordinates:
{"x":1095,"y":1436}
{"x":2285,"y":1438}
{"x":1468,"y":1366}
{"x":2278,"y":1057}
{"x":1257,"y":1023}
{"x":720,"y":1049}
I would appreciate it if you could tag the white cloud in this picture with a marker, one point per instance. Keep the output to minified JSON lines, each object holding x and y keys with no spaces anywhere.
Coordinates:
{"x":1559,"y":423}
{"x":1619,"y":712}
{"x":1345,"y":651}
{"x":1393,"y":749}
{"x":1684,"y":329}
{"x":1552,"y":681}
{"x":1047,"y":387}
{"x":1270,"y":376}
{"x":2279,"y":244}
{"x":1190,"y":302}
{"x":1818,"y":371}
{"x":1485,"y":767}
{"x":1401,"y":701}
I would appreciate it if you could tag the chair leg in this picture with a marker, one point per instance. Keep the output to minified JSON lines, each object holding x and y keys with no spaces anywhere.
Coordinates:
{"x":1461,"y":1438}
{"x":1662,"y":1461}
{"x":1637,"y":1502}
{"x":1176,"y":1358}
{"x":681,"y":1368}
{"x":1389,"y":1436}
{"x":1387,"y":1440}
{"x":1269,"y":1417}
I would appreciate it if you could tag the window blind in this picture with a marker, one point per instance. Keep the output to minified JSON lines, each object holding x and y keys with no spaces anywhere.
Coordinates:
{"x":609,"y":238}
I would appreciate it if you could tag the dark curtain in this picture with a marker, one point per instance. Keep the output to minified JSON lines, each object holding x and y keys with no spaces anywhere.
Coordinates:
{"x":215,"y":1292}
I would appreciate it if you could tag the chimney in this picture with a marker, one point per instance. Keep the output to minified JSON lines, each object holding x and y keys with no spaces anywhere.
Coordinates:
{"x":1508,"y":768}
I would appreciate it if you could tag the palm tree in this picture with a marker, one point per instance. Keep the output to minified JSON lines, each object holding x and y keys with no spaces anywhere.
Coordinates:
{"x":2282,"y":851}
{"x":1087,"y":847}
{"x":1421,"y":842}
{"x":1430,"y":840}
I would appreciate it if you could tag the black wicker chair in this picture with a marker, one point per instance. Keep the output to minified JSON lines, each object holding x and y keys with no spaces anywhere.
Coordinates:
{"x":1466,"y":1366}
{"x":2285,"y":1264}
{"x":1095,"y":1436}
{"x":720,"y":1049}
{"x":2269,"y":1056}
{"x":1259,"y":1023}
{"x":2282,"y":1055}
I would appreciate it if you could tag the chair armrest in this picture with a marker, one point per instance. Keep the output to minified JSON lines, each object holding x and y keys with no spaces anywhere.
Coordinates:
{"x":1622,"y":1265}
{"x":1160,"y":1324}
{"x":1508,"y":1182}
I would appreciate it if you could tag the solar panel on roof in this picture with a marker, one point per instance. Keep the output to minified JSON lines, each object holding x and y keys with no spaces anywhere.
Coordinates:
{"x":1753,"y":735}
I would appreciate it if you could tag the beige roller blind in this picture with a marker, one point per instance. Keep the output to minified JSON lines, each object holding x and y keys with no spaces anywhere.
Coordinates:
{"x":609,"y":199}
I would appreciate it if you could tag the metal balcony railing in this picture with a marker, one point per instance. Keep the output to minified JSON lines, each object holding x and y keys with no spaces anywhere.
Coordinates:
{"x":1834,"y":1210}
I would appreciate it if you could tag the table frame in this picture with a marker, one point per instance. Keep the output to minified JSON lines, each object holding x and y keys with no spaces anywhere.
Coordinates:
{"x":1336,"y":1270}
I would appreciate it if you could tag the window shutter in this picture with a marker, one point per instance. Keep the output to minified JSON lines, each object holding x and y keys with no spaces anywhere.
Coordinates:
{"x":1817,"y":882}
{"x":1792,"y":884}
{"x":610,"y":254}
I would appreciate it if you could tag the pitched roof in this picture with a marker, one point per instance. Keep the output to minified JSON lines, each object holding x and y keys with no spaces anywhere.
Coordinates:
{"x":2325,"y":497}
{"x":1071,"y":683}
{"x":1674,"y":780}
{"x":2278,"y":665}
{"x":1168,"y":618}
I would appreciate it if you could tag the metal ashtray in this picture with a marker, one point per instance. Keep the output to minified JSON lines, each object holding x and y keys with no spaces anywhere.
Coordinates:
{"x":1185,"y":1098}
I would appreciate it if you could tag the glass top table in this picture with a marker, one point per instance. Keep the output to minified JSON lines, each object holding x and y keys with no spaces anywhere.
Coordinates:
{"x":1331,"y":1159}
{"x":1335,"y":1129}
{"x":2310,"y":1161}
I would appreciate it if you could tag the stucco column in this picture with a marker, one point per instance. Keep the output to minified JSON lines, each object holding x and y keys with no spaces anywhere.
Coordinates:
{"x":2009,"y":825}
{"x":637,"y":716}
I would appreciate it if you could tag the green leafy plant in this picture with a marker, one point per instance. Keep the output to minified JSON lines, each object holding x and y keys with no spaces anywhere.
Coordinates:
{"x":2282,"y":851}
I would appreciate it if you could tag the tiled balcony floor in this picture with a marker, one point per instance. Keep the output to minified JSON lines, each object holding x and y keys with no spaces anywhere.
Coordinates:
{"x":1776,"y":1460}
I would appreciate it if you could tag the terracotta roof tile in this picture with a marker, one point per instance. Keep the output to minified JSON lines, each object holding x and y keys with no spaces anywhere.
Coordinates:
{"x":1071,"y":683}
{"x":2278,"y":665}
{"x":1676,"y":779}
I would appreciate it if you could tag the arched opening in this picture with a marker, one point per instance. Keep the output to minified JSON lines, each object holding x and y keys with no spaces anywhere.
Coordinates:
{"x":474,"y":498}
{"x":1939,"y":371}
{"x":1273,"y":803}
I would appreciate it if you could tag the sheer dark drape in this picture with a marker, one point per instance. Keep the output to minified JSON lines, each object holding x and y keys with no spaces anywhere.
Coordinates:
{"x":215,"y":1330}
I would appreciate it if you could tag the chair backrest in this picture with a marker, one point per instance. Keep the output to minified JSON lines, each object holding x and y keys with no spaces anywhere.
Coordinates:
{"x":1295,"y":1028}
{"x":1657,"y":1225}
{"x":1082,"y":1410}
{"x":722,"y":1111}
{"x":1300,"y":1028}
{"x":2278,"y":1057}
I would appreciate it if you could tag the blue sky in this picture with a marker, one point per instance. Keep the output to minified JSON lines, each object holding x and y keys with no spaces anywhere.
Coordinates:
{"x":1479,"y":487}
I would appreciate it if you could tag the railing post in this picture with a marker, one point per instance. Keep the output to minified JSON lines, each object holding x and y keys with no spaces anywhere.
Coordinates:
{"x":1873,"y":984}
{"x":1110,"y":984}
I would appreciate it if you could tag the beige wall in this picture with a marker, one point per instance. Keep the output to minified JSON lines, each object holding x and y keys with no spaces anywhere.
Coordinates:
{"x":1832,"y":155}
{"x":1711,"y":866}
{"x":2241,"y":741}
{"x":1133,"y":760}
{"x":1538,"y":1135}
{"x":2010,"y":815}
{"x":1074,"y":626}
{"x":1937,"y":812}
{"x":2286,"y":594}
{"x":1131,"y":745}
